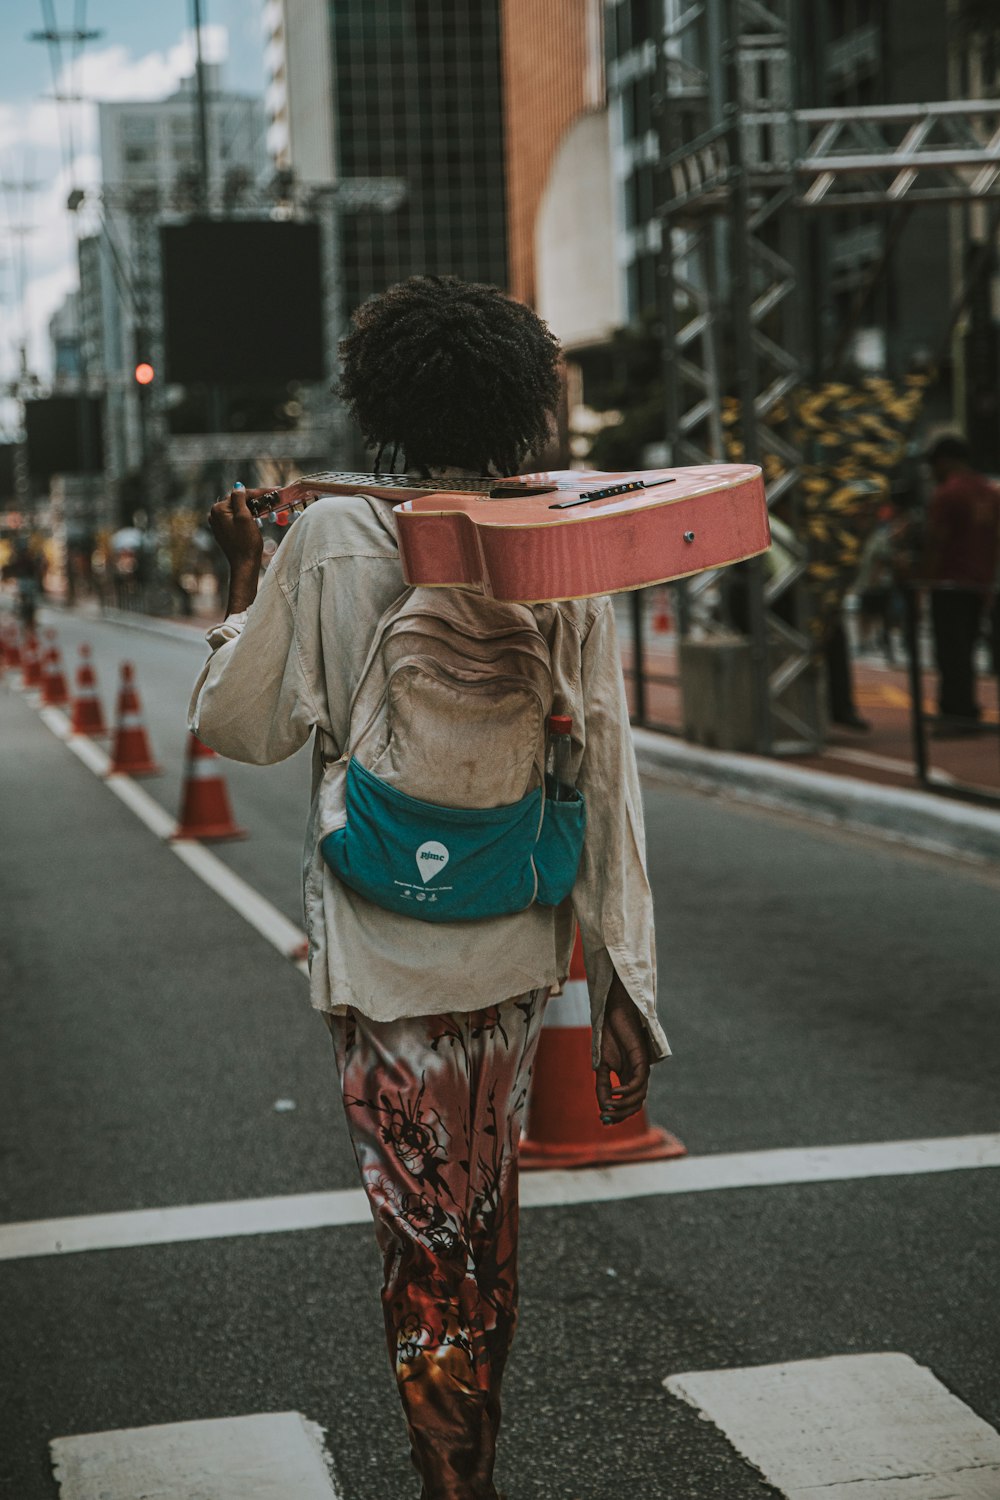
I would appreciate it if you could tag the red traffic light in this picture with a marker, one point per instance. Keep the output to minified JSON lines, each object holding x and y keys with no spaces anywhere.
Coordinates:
{"x":144,"y":373}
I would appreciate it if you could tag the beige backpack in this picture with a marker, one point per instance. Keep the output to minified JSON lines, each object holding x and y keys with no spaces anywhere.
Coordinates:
{"x":437,"y":806}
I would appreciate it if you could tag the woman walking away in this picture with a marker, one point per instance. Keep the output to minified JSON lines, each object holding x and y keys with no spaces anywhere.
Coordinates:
{"x":433,"y":704}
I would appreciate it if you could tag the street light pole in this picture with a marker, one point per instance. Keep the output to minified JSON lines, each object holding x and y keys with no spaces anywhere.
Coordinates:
{"x":201,"y":112}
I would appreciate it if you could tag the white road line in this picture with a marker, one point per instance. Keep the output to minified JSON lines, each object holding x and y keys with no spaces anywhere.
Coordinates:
{"x":174,"y":1226}
{"x":146,"y":808}
{"x":692,"y":1174}
{"x":53,"y":717}
{"x":250,"y":905}
{"x":268,"y":1456}
{"x":878,"y":1426}
{"x":753,"y":1169}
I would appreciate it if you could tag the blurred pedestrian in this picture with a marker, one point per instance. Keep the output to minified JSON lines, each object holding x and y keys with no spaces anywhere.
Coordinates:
{"x":435,"y":1026}
{"x":840,"y":678}
{"x":879,"y":609}
{"x":27,"y":570}
{"x":960,"y":564}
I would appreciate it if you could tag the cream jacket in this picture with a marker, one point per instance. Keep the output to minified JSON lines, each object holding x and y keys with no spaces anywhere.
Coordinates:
{"x":290,"y":667}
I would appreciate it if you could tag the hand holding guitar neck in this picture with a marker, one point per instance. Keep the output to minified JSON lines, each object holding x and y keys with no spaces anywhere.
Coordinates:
{"x":238,"y":534}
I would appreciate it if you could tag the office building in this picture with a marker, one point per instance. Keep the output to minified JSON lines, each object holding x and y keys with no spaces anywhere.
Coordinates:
{"x":151,"y":171}
{"x":370,"y":91}
{"x":64,"y":341}
{"x":632,"y":29}
{"x":156,"y":143}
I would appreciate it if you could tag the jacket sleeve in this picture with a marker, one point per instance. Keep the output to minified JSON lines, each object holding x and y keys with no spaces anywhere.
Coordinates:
{"x":251,"y":701}
{"x":612,"y":898}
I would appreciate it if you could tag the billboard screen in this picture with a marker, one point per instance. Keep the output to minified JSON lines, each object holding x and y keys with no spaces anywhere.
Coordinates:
{"x":8,"y":482}
{"x":64,"y":436}
{"x":242,"y":302}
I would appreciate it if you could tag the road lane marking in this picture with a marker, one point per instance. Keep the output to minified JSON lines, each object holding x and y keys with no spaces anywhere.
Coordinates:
{"x":556,"y":1189}
{"x":268,"y":1456}
{"x":138,"y":801}
{"x":243,"y":898}
{"x":194,"y":1221}
{"x":877,"y":1426}
{"x":252,"y":906}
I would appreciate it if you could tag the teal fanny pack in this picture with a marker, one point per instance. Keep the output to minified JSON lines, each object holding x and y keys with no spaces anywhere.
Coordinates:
{"x":449,"y":864}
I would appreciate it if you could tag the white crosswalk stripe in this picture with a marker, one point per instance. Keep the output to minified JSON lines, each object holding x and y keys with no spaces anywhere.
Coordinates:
{"x":269,"y":1456}
{"x":875,"y":1426}
{"x":872,"y":1426}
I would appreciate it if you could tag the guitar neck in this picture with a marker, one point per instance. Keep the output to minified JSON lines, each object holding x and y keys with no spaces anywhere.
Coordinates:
{"x":336,"y":484}
{"x":303,"y":491}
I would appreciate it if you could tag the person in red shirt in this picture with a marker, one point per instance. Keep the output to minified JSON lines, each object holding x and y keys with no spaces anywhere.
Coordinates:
{"x":960,"y":564}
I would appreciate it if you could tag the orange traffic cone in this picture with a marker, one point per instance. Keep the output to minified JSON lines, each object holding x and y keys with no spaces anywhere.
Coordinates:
{"x":86,"y":716}
{"x":130,"y":750}
{"x":661,"y":619}
{"x":562,"y":1122}
{"x":205,"y":810}
{"x":31,"y":662}
{"x":54,"y":692}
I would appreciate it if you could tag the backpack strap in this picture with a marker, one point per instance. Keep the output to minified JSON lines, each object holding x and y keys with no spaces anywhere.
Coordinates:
{"x":371,"y":684}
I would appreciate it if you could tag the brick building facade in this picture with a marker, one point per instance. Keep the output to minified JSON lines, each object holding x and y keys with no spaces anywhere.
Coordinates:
{"x":552,"y":73}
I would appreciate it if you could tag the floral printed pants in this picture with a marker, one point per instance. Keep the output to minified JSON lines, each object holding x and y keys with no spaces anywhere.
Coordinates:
{"x":434,"y":1107}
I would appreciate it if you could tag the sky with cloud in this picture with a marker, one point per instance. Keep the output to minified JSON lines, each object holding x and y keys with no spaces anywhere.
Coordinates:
{"x":145,"y":48}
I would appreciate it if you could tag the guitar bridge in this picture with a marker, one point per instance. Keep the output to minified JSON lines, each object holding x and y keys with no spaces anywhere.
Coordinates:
{"x":607,"y":492}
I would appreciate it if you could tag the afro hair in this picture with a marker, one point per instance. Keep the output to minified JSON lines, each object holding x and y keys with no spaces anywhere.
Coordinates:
{"x":446,"y":372}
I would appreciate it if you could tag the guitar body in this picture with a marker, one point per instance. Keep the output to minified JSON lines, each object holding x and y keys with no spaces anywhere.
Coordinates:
{"x":527,"y":550}
{"x":562,"y":534}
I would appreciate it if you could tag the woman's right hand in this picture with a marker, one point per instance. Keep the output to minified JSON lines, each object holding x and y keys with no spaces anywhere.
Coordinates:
{"x":239,"y":535}
{"x":236,"y":530}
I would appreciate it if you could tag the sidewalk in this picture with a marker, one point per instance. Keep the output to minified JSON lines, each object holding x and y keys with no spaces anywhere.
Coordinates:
{"x":884,"y":754}
{"x":864,"y":780}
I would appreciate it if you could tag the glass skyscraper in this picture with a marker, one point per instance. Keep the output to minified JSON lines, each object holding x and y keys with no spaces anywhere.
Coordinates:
{"x":417,"y":93}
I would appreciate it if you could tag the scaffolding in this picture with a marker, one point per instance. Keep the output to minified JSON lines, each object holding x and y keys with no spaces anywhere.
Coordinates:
{"x":739,"y":166}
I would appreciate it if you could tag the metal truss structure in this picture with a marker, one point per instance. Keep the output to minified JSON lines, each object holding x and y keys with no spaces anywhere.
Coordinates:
{"x":738,"y":165}
{"x":899,"y":153}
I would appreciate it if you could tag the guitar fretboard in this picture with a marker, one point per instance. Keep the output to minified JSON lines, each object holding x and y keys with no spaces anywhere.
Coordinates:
{"x":409,"y":482}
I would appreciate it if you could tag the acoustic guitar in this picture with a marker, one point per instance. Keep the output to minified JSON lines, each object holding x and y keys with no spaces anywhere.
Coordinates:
{"x":561,"y":534}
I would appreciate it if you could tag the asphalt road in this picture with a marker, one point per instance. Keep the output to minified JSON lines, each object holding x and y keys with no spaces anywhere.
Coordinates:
{"x":817,"y":989}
